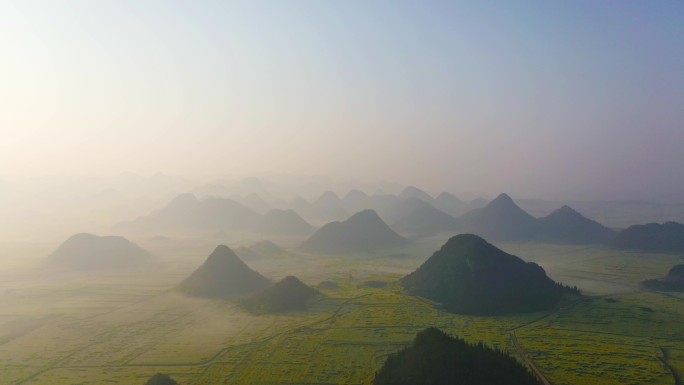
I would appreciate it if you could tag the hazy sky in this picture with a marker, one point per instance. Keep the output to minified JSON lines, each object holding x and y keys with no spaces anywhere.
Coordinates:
{"x":538,"y":98}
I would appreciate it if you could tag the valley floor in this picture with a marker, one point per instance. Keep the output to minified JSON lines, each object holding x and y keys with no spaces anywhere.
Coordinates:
{"x":120,"y":330}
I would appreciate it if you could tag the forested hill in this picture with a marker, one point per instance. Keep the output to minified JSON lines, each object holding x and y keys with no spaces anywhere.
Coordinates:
{"x":435,"y":358}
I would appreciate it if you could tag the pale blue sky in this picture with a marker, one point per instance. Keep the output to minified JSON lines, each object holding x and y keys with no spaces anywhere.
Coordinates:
{"x":538,"y":98}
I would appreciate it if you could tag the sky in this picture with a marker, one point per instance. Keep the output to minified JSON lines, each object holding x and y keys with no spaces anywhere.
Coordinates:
{"x":554,"y":99}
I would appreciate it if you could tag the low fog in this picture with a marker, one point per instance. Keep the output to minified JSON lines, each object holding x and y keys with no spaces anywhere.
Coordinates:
{"x":281,"y":192}
{"x":45,"y":210}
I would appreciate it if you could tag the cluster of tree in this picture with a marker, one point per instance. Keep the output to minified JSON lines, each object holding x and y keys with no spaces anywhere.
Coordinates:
{"x":435,"y":358}
{"x":571,"y":289}
{"x":161,"y":379}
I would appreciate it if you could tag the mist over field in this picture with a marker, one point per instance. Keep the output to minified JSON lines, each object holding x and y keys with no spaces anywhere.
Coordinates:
{"x":299,"y":192}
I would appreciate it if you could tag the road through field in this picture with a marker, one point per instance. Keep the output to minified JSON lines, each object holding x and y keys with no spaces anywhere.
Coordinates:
{"x":666,"y":360}
{"x":521,"y":351}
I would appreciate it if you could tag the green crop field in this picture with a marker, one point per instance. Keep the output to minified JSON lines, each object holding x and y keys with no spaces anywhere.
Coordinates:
{"x":121,"y":329}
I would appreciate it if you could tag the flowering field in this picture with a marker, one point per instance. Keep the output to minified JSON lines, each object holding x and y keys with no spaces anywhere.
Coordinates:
{"x":114,"y":332}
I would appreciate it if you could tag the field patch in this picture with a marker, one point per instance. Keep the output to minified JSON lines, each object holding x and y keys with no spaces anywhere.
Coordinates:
{"x":121,"y":330}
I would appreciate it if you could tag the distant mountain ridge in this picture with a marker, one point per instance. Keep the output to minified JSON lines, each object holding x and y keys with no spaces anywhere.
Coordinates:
{"x":256,"y":203}
{"x":415,"y":192}
{"x":362,"y":232}
{"x":356,"y":200}
{"x":413,"y":212}
{"x":327,"y":207}
{"x":244,"y":213}
{"x":501,"y":220}
{"x":187,"y":212}
{"x":283,"y":222}
{"x":260,"y":250}
{"x":91,"y":252}
{"x":389,"y":206}
{"x":673,"y":281}
{"x":267,"y":247}
{"x":654,"y":237}
{"x":425,"y":219}
{"x":451,"y":204}
{"x":566,"y":225}
{"x":403,"y":209}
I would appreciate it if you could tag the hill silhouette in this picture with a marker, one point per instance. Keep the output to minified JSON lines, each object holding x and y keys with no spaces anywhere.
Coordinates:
{"x":223,"y":275}
{"x":415,"y":192}
{"x":181,"y":205}
{"x":161,"y":379}
{"x":476,"y":203}
{"x":470,"y":276}
{"x":662,"y":238}
{"x":260,"y":250}
{"x":247,"y":253}
{"x":288,"y":294}
{"x":403,"y":208}
{"x":327,"y":207}
{"x":424,"y":219}
{"x":566,"y":225}
{"x":283,"y":222}
{"x":450,"y":204}
{"x":385,"y":205}
{"x":91,"y":252}
{"x":267,"y":247}
{"x":503,"y":220}
{"x":300,"y":205}
{"x":355,"y":201}
{"x":435,"y":358}
{"x":673,"y":281}
{"x":221,"y":213}
{"x":187,"y":212}
{"x":256,"y":203}
{"x":362,"y":232}
{"x":500,"y":220}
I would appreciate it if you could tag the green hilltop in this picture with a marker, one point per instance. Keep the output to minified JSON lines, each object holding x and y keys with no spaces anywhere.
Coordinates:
{"x":223,"y":275}
{"x":435,"y":358}
{"x":288,"y":294}
{"x":471,"y":276}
